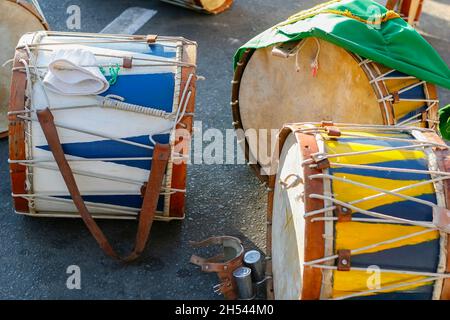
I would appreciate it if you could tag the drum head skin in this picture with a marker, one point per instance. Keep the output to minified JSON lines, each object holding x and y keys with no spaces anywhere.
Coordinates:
{"x":288,"y":228}
{"x":273,"y":93}
{"x":15,"y":20}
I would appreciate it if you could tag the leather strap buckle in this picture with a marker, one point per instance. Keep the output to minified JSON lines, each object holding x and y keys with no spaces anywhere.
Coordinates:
{"x":223,"y":264}
{"x":127,"y":62}
{"x":395,"y":97}
{"x":320,"y":161}
{"x":333,"y":131}
{"x":150,"y":38}
{"x":344,"y":260}
{"x":327,"y":124}
{"x":344,"y":214}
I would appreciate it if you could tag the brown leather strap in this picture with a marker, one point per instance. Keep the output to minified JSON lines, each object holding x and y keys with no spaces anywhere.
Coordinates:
{"x":160,"y":158}
{"x":223,"y":269}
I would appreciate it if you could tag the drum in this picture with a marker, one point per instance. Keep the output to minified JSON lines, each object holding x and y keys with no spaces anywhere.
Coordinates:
{"x":206,"y":6}
{"x":314,"y":80}
{"x":359,"y":212}
{"x":410,"y":10}
{"x":16,"y":18}
{"x":108,"y":139}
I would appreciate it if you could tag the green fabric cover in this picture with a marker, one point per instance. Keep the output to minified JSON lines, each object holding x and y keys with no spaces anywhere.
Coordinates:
{"x":394,"y":43}
{"x":444,"y":122}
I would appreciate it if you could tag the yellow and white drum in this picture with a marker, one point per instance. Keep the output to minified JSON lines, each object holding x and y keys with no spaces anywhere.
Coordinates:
{"x":314,"y":80}
{"x":16,"y":18}
{"x":207,"y":6}
{"x":359,"y":212}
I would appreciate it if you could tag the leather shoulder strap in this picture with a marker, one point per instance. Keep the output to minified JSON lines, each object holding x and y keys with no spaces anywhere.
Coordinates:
{"x":160,"y":158}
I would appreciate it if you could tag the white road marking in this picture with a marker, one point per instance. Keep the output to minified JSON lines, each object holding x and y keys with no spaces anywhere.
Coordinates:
{"x":129,"y":21}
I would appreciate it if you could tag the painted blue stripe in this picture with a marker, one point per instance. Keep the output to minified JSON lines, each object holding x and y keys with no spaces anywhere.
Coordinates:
{"x":406,"y":209}
{"x":421,"y":257}
{"x":130,"y":201}
{"x":148,"y":90}
{"x":414,"y":93}
{"x":420,"y":293}
{"x":396,"y":73}
{"x":413,"y":113}
{"x":114,"y":149}
{"x":161,"y":51}
{"x":416,"y":164}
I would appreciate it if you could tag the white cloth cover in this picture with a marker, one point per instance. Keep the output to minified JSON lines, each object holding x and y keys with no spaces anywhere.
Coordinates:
{"x":67,"y":76}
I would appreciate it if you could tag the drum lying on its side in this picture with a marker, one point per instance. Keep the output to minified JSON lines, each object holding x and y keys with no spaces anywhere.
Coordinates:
{"x":207,"y":6}
{"x":108,"y":139}
{"x":16,"y":18}
{"x":268,"y":92}
{"x":356,"y":212}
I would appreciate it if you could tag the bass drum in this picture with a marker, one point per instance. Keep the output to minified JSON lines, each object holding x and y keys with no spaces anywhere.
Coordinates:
{"x":359,"y":212}
{"x":108,"y":139}
{"x":207,"y":6}
{"x":16,"y":18}
{"x":314,"y":80}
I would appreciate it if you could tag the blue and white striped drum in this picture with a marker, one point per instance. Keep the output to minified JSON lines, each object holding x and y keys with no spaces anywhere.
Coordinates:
{"x":108,"y":139}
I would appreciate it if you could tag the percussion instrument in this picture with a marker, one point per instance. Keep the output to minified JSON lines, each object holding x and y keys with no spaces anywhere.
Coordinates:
{"x":108,"y":139}
{"x":16,"y":18}
{"x":206,"y":6}
{"x":359,"y":212}
{"x":315,"y":80}
{"x":410,"y":10}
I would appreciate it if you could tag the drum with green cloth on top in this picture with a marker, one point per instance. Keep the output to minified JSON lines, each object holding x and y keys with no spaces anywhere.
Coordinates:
{"x":339,"y":61}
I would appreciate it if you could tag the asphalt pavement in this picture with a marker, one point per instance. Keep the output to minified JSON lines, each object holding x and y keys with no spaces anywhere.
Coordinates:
{"x":221,"y":199}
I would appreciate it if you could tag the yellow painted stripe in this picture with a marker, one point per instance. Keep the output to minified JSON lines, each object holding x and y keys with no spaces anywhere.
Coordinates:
{"x":351,"y":282}
{"x":336,"y":147}
{"x":402,"y":108}
{"x":347,"y":192}
{"x":354,"y":235}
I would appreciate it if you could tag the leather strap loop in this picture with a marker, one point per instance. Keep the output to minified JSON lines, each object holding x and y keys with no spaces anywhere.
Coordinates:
{"x":225,"y":268}
{"x":160,"y":158}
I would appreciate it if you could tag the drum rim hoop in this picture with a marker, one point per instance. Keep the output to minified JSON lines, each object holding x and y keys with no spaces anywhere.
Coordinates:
{"x":312,"y":275}
{"x":31,"y":9}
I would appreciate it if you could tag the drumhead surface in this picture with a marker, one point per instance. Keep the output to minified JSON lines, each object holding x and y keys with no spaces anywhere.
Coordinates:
{"x":15,"y":20}
{"x":288,"y":228}
{"x":273,"y":93}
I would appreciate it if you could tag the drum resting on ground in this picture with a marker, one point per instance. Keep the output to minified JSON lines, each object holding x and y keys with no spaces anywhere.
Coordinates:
{"x":315,"y":80}
{"x":108,"y":139}
{"x":359,"y":212}
{"x":207,"y":6}
{"x":16,"y":19}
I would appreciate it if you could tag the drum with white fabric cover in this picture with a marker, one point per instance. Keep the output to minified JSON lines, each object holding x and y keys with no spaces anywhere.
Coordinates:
{"x":108,"y":139}
{"x":315,"y":80}
{"x":206,"y":6}
{"x":359,"y":212}
{"x":16,"y":18}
